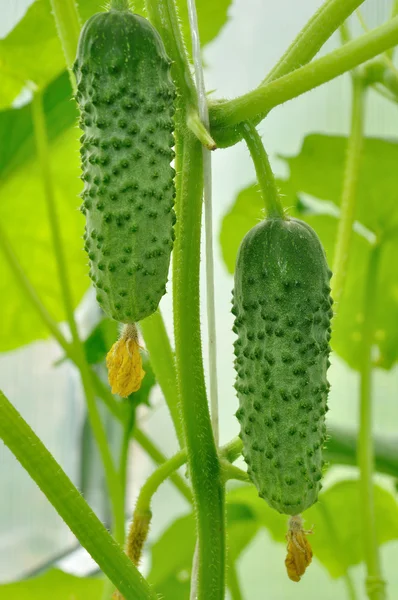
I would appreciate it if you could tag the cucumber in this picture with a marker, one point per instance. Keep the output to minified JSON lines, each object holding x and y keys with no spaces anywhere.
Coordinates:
{"x":282,"y":309}
{"x":126,"y":99}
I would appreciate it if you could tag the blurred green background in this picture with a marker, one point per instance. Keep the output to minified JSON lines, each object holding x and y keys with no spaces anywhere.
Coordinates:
{"x":306,"y":142}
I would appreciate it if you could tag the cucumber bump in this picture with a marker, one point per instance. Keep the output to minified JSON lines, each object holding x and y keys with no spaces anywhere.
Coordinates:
{"x":126,"y":99}
{"x":282,"y":310}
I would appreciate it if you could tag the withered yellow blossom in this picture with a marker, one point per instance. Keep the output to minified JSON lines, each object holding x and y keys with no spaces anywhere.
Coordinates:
{"x":124,"y":363}
{"x":299,"y":552}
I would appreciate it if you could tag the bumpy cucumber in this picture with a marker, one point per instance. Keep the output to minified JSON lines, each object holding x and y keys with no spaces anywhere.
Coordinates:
{"x":126,"y":98}
{"x":283,"y":309}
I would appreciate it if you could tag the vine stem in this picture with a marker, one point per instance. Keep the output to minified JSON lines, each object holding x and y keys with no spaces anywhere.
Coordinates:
{"x":375,"y":585}
{"x":254,"y":104}
{"x":111,"y":475}
{"x":203,"y":460}
{"x":264,"y":172}
{"x":349,"y":191}
{"x":71,"y":506}
{"x":207,"y":197}
{"x":68,"y":25}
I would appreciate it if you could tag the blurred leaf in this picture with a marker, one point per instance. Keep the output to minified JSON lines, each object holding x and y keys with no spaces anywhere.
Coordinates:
{"x":24,"y":218}
{"x":335,"y":519}
{"x":337,"y":540}
{"x":319,"y":168}
{"x":172,"y":553}
{"x":100,"y":340}
{"x":67,"y":587}
{"x":33,"y":52}
{"x":16,"y":126}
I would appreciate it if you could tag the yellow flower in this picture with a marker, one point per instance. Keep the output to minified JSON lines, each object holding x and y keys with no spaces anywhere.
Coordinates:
{"x":124,"y":363}
{"x":299,"y":552}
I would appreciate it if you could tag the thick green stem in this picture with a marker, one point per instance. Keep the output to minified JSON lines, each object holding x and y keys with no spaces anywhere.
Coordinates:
{"x":312,"y":37}
{"x":349,"y":191}
{"x":163,"y":364}
{"x":68,"y":25}
{"x":254,"y":104}
{"x":265,"y":176}
{"x":111,"y":475}
{"x":374,"y":583}
{"x":203,"y":461}
{"x":70,"y":505}
{"x":208,"y":220}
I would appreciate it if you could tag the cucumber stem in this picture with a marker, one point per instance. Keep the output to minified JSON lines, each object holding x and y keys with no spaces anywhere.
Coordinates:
{"x":375,"y":586}
{"x":265,"y":176}
{"x":349,"y":191}
{"x":119,"y":5}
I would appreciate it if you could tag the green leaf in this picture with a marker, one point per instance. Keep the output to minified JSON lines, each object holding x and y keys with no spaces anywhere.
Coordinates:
{"x":335,"y":520}
{"x":318,"y":170}
{"x":16,"y":127}
{"x":23,"y":215}
{"x":172,"y":553}
{"x":53,"y":584}
{"x":100,"y":340}
{"x":33,"y":52}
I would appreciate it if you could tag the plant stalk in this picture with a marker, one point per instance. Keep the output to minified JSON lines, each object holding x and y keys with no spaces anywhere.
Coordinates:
{"x":254,"y":104}
{"x":70,"y":505}
{"x":264,"y":172}
{"x":375,"y":586}
{"x":207,"y":198}
{"x":349,"y":190}
{"x":203,"y":460}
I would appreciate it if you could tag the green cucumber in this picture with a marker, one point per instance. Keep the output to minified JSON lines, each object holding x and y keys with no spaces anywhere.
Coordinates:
{"x":126,"y":98}
{"x":282,"y":306}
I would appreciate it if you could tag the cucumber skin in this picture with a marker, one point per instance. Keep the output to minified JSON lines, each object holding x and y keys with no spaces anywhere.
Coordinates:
{"x":126,"y":98}
{"x":283,"y":309}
